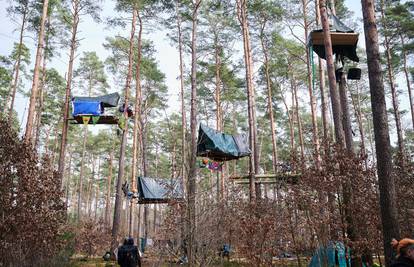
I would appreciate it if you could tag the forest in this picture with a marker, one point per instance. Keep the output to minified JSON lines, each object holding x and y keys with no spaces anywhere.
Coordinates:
{"x":276,"y":133}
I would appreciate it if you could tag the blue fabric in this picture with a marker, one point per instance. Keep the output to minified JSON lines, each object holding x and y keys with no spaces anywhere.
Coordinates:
{"x":329,"y":253}
{"x":87,"y":108}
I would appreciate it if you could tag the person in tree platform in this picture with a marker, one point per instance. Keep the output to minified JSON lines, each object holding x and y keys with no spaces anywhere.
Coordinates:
{"x":405,"y":250}
{"x":128,"y":254}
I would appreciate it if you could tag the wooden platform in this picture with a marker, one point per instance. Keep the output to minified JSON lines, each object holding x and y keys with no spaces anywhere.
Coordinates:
{"x":337,"y":38}
{"x":103,"y":119}
{"x":289,"y":178}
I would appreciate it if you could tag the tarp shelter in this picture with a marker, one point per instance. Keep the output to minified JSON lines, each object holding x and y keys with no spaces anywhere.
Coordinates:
{"x":90,"y":110}
{"x":333,"y":255}
{"x":159,"y":190}
{"x":219,"y":146}
{"x":107,"y":101}
{"x":344,"y":40}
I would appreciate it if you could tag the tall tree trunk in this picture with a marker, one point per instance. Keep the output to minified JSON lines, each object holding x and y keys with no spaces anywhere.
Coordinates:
{"x":389,"y":213}
{"x":192,"y":175}
{"x":312,"y":98}
{"x":253,"y":163}
{"x":85,"y":138}
{"x":121,"y":163}
{"x":35,"y":84}
{"x":407,"y":78}
{"x":269,"y":100}
{"x":346,"y":118}
{"x":394,"y":97}
{"x":299,"y":121}
{"x":13,"y":88}
{"x":108,"y":190}
{"x":73,"y":46}
{"x":356,"y":103}
{"x":137,"y":118}
{"x":69,"y":168}
{"x":335,"y":100}
{"x":324,"y":102}
{"x":219,"y":113}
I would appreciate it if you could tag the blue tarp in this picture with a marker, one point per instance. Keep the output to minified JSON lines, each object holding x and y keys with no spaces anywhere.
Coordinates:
{"x":328,"y":254}
{"x":87,"y":108}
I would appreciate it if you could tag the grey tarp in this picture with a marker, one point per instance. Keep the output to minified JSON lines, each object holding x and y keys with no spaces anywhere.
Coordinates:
{"x":341,"y":45}
{"x":219,"y":146}
{"x":159,"y":190}
{"x":108,"y":101}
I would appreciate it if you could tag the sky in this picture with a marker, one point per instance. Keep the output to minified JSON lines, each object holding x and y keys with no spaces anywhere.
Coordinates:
{"x":92,"y":37}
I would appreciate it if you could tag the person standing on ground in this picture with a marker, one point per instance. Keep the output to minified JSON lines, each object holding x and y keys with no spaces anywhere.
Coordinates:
{"x":128,"y":254}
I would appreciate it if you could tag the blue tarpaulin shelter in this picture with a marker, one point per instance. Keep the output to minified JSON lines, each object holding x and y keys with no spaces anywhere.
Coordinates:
{"x":87,"y":108}
{"x":159,"y":190}
{"x":331,"y":256}
{"x":219,"y":146}
{"x":90,"y":110}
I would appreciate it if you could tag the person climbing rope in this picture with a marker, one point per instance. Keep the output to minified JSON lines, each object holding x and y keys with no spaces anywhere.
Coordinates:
{"x":405,"y":253}
{"x":128,"y":254}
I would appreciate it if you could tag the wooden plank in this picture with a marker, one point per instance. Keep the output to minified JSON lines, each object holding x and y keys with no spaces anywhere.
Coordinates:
{"x":269,"y":175}
{"x":289,"y":178}
{"x":337,"y":38}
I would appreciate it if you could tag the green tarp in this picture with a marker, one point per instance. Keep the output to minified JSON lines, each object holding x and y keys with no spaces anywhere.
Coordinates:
{"x":159,"y":190}
{"x":219,"y":146}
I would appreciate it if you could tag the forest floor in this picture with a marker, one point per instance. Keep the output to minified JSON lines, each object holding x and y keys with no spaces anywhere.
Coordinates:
{"x":148,"y":262}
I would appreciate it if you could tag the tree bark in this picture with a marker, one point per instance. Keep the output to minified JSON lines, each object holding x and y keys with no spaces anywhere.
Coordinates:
{"x":394,"y":97}
{"x":35,"y":84}
{"x":312,"y":99}
{"x":407,"y":78}
{"x":253,"y":163}
{"x":85,"y":138}
{"x":13,"y":88}
{"x":73,"y":46}
{"x":389,"y":213}
{"x":137,"y":118}
{"x":269,"y":100}
{"x":335,"y":100}
{"x":192,"y":175}
{"x":121,"y":163}
{"x":108,"y":190}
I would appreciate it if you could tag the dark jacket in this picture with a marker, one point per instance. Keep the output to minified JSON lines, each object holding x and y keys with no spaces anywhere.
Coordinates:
{"x":403,"y":262}
{"x":128,"y":256}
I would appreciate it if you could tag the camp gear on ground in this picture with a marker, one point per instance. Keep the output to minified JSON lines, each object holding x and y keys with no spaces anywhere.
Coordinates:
{"x":219,"y":146}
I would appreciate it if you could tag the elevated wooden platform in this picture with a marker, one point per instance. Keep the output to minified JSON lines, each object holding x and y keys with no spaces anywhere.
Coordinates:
{"x":337,"y":38}
{"x":290,"y":178}
{"x":103,"y":119}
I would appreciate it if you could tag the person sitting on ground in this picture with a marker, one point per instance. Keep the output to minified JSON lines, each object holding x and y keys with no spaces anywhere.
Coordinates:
{"x":405,"y":250}
{"x":394,"y":245}
{"x":128,"y":254}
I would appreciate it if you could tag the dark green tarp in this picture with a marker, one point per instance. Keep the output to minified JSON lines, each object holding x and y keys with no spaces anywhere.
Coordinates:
{"x":219,"y":146}
{"x":108,"y":101}
{"x":159,"y":190}
{"x":348,"y":50}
